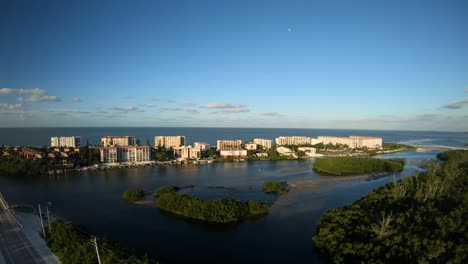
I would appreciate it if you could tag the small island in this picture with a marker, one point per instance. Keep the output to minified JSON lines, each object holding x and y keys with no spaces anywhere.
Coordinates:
{"x":133,"y":195}
{"x":221,"y":211}
{"x":274,"y":187}
{"x":342,"y":166}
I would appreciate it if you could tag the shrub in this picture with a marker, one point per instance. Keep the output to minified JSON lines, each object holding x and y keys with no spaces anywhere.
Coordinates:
{"x":164,"y":190}
{"x":133,"y":195}
{"x":274,"y":187}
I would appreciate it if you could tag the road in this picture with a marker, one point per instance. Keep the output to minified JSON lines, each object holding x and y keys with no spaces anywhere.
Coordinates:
{"x":15,"y":248}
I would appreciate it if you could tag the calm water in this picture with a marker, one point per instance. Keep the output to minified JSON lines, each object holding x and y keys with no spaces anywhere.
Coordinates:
{"x":93,"y":199}
{"x":41,"y":136}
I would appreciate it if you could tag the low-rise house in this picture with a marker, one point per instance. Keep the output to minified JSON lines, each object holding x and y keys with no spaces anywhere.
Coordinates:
{"x":233,"y":153}
{"x":262,"y":154}
{"x":308,"y":151}
{"x":285,"y":151}
{"x":187,"y":152}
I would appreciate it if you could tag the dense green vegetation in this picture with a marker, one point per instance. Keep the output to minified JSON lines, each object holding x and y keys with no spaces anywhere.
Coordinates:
{"x":165,"y":189}
{"x":23,"y":167}
{"x":352,"y":165}
{"x":274,"y":187}
{"x":212,"y":211}
{"x":396,"y":146}
{"x":73,"y":246}
{"x":133,"y":195}
{"x":420,"y":219}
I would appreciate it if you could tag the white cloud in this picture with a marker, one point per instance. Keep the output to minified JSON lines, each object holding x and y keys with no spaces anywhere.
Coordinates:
{"x":222,"y":106}
{"x":190,"y":104}
{"x":76,"y":100}
{"x":43,"y":98}
{"x":126,"y":108}
{"x":170,"y":109}
{"x":21,"y":91}
{"x":10,"y":107}
{"x":232,"y":111}
{"x":271,"y":114}
{"x":457,"y":105}
{"x":192,"y":111}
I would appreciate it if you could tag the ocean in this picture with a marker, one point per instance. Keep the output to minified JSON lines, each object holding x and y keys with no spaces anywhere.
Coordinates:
{"x":41,"y":136}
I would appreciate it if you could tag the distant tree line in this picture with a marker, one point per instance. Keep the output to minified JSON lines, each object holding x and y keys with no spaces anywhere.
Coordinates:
{"x":420,"y":219}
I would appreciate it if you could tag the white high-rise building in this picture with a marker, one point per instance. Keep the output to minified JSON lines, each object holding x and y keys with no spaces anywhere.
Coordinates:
{"x":187,"y":152}
{"x":203,"y":146}
{"x":229,"y":144}
{"x":169,"y":141}
{"x":109,"y":141}
{"x":294,"y":140}
{"x":353,"y":141}
{"x":69,"y":142}
{"x":265,"y":143}
{"x":125,"y":154}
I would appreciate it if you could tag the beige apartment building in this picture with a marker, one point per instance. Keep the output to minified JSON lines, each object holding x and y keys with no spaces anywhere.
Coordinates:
{"x":169,"y":141}
{"x":229,"y":144}
{"x":264,"y":143}
{"x":250,"y":146}
{"x":187,"y":152}
{"x":353,"y":141}
{"x":294,"y":140}
{"x":125,"y":154}
{"x":109,"y":141}
{"x":203,"y":146}
{"x":233,"y":153}
{"x":69,"y":142}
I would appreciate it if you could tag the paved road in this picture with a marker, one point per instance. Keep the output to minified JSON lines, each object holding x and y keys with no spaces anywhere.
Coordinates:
{"x":15,"y":248}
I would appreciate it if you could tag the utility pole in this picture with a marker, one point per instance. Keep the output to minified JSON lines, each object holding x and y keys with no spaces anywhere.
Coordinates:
{"x":42,"y":222}
{"x":48,"y":220}
{"x":97,"y":251}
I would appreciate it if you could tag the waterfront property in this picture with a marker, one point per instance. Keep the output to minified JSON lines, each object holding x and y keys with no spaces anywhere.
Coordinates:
{"x":125,"y":154}
{"x":226,"y":144}
{"x":73,"y":141}
{"x":109,"y":141}
{"x":234,"y":152}
{"x":203,"y":146}
{"x":285,"y":151}
{"x":294,"y":140}
{"x":308,"y":151}
{"x":250,"y":146}
{"x":187,"y":152}
{"x":169,"y":141}
{"x":264,"y":143}
{"x":353,"y":141}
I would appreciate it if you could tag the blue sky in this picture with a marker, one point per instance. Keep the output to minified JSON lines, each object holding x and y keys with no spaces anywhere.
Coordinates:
{"x":308,"y":64}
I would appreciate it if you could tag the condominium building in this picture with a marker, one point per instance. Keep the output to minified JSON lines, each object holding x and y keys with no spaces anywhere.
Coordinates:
{"x":169,"y":141}
{"x":203,"y":146}
{"x":294,"y":140}
{"x":70,"y":142}
{"x":233,"y":153}
{"x":109,"y":141}
{"x":353,"y":141}
{"x":264,"y":143}
{"x":229,"y":144}
{"x":125,"y":154}
{"x":187,"y":152}
{"x":250,"y":146}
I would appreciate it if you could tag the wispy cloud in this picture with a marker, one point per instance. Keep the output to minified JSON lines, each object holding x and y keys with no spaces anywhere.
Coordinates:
{"x":43,"y":98}
{"x":76,"y":100}
{"x":222,"y":106}
{"x":272,"y":114}
{"x":163,"y":100}
{"x":170,"y":109}
{"x":457,"y":104}
{"x":190,"y":104}
{"x":192,"y":111}
{"x":21,"y":91}
{"x":466,"y":90}
{"x":232,"y":111}
{"x":11,"y":107}
{"x":30,"y":95}
{"x":126,"y":108}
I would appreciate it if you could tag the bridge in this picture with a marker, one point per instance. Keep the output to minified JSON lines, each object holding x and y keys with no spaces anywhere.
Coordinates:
{"x":21,"y":244}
